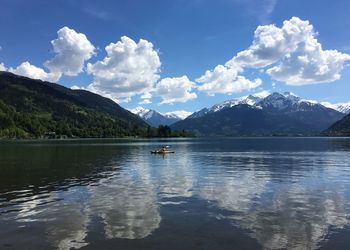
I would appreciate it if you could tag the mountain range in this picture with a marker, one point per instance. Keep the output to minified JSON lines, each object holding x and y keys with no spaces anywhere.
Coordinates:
{"x":262,"y":114}
{"x":35,"y":109}
{"x":156,"y":119}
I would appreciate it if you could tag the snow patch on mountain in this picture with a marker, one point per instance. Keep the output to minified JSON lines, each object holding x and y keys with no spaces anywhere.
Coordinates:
{"x":341,"y":107}
{"x":155,"y":118}
{"x":179,"y":114}
{"x":279,"y":101}
{"x":251,"y":100}
{"x":140,"y":111}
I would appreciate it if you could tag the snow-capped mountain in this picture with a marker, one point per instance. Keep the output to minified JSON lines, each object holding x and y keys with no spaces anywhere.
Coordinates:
{"x":287,"y":102}
{"x":257,"y":114}
{"x":199,"y":113}
{"x":250,"y":100}
{"x":341,"y":107}
{"x":142,"y":112}
{"x":155,"y":118}
{"x":277,"y":101}
{"x":179,"y":114}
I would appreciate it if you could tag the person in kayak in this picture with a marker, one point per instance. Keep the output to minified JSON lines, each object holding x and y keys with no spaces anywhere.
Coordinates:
{"x":162,"y":150}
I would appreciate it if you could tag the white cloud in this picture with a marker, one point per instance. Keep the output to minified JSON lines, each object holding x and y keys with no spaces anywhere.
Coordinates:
{"x":146,"y":98}
{"x":72,"y":50}
{"x":272,"y":43}
{"x":299,"y":56}
{"x":145,"y":101}
{"x":309,"y":64}
{"x":225,"y":80}
{"x":242,"y":83}
{"x":129,"y":69}
{"x":31,"y":71}
{"x":2,"y":67}
{"x":176,"y":89}
{"x":146,"y":95}
{"x":218,"y":79}
{"x":292,"y":52}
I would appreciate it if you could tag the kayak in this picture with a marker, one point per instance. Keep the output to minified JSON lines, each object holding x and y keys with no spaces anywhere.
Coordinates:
{"x":162,"y":152}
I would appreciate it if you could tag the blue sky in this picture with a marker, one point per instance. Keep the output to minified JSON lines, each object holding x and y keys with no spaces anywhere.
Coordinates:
{"x":181,"y":41}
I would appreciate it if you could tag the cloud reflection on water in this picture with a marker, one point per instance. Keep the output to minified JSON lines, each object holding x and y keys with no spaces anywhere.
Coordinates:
{"x":292,"y":200}
{"x":66,"y":226}
{"x":127,"y":203}
{"x":282,"y":210}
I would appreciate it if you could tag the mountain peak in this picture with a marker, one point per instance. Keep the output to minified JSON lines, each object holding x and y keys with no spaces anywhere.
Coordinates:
{"x":291,"y":96}
{"x":287,"y":93}
{"x":155,"y":118}
{"x":140,"y":111}
{"x":275,"y":95}
{"x":179,"y":114}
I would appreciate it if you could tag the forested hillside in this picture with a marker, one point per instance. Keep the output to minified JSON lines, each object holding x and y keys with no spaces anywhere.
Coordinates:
{"x":33,"y":108}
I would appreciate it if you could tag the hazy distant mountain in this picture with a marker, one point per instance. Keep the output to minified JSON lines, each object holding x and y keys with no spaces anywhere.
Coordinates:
{"x":33,"y":108}
{"x":155,"y":118}
{"x":262,"y":114}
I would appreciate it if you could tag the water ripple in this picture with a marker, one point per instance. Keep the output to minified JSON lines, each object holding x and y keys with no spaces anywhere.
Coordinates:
{"x":72,"y":195}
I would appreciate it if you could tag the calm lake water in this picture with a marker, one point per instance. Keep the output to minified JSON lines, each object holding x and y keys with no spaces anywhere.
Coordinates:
{"x":223,"y":193}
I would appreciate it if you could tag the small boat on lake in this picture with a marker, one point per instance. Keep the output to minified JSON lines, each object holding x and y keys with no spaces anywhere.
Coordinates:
{"x":163,"y":150}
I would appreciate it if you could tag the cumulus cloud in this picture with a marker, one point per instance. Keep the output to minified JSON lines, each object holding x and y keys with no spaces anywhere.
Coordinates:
{"x":290,"y":54}
{"x":129,"y":69}
{"x":31,"y":71}
{"x":299,"y":56}
{"x":2,"y":67}
{"x":225,"y":80}
{"x":309,"y":64}
{"x":272,"y":43}
{"x":72,"y":50}
{"x":176,"y":89}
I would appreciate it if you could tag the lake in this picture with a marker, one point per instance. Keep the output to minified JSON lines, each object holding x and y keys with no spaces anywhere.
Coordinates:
{"x":212,"y":193}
